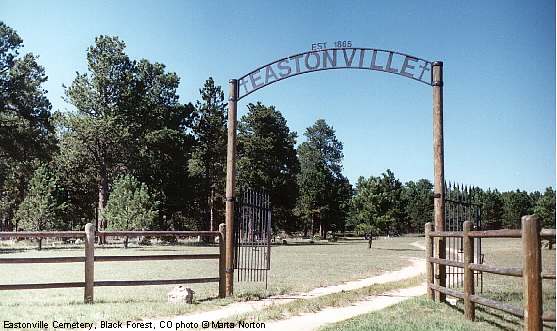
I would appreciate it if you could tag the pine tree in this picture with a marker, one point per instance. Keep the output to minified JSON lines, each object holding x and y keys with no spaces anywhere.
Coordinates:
{"x":43,"y":206}
{"x":267,"y":160}
{"x":208,"y":161}
{"x":324,"y":191}
{"x":26,"y":129}
{"x":131,"y":206}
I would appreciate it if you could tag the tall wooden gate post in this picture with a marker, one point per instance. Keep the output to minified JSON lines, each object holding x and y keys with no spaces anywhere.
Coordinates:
{"x":428,"y":255}
{"x":231,"y":184}
{"x":438,"y":172}
{"x":531,"y":273}
{"x":89,"y":262}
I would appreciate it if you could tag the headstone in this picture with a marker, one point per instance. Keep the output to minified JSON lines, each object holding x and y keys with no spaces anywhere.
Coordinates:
{"x":180,"y":294}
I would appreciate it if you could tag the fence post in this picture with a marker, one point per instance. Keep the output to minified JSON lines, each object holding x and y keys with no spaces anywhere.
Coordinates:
{"x":531,"y":273}
{"x":429,"y":265}
{"x":222,"y":261}
{"x":468,"y":247}
{"x":89,"y":262}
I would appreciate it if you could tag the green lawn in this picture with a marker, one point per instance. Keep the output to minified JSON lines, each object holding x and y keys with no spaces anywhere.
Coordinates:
{"x":295,"y":267}
{"x":421,"y":314}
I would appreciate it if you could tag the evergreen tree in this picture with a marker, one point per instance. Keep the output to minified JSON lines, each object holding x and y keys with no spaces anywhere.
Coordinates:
{"x":378,"y":202}
{"x":515,"y":205}
{"x":26,"y":130}
{"x":267,"y":160}
{"x":492,"y":210}
{"x":324,"y":191}
{"x":43,"y":206}
{"x":545,"y":208}
{"x":127,"y":120}
{"x":208,"y":161}
{"x":94,"y":133}
{"x":131,"y":206}
{"x":418,"y":204}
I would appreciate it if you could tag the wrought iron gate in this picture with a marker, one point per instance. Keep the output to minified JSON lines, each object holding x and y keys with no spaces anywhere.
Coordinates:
{"x":252,"y":236}
{"x":460,"y":206}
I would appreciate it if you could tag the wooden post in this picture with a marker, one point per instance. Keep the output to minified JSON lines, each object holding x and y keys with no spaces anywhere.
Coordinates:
{"x":230,"y":184}
{"x":531,"y":273}
{"x":468,"y":247}
{"x":222,"y":261}
{"x":89,"y":262}
{"x":438,"y":173}
{"x":429,"y":266}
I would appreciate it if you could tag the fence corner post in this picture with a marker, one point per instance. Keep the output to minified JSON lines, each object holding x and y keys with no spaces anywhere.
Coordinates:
{"x":222,"y":261}
{"x":89,"y":262}
{"x":468,"y":247}
{"x":429,"y":265}
{"x":531,"y":272}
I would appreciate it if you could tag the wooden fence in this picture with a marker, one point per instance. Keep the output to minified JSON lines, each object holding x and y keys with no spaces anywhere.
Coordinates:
{"x":89,"y":259}
{"x":531,"y":271}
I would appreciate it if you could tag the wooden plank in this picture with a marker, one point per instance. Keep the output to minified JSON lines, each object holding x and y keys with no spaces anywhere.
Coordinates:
{"x":18,"y":260}
{"x":7,"y":287}
{"x":456,"y":234}
{"x":447,"y":291}
{"x":155,"y":282}
{"x":532,"y":269}
{"x":505,"y":233}
{"x":108,"y":283}
{"x":39,"y":234}
{"x":113,"y":258}
{"x":515,"y":272}
{"x":446,"y":262}
{"x":132,"y":234}
{"x":516,"y":311}
{"x":547,"y":233}
{"x":549,"y":316}
{"x":548,"y":275}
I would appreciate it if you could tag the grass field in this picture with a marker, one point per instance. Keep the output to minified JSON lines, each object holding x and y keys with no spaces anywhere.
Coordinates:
{"x":421,"y":314}
{"x":295,"y":267}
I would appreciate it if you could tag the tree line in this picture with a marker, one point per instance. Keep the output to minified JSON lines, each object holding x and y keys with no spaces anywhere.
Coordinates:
{"x":130,"y":155}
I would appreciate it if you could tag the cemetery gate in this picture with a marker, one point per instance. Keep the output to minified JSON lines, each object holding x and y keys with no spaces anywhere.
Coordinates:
{"x":252,"y":236}
{"x":460,"y":207}
{"x":320,"y":58}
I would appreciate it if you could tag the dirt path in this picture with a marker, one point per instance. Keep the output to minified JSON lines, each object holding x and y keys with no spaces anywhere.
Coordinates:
{"x":332,"y":315}
{"x":416,"y":267}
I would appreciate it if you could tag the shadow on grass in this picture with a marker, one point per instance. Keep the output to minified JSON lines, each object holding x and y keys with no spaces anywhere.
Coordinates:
{"x":98,"y":301}
{"x":12,"y":250}
{"x":396,"y":249}
{"x":501,"y":320}
{"x":324,"y":243}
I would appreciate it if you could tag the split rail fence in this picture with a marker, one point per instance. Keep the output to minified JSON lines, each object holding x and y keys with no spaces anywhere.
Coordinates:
{"x":531,"y":271}
{"x":88,"y":236}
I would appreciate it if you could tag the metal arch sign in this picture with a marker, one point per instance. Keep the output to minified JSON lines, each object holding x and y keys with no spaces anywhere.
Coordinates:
{"x":336,"y":58}
{"x":426,"y":72}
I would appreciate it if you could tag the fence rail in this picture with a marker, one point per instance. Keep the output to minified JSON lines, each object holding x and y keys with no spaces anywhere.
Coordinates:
{"x":89,"y":259}
{"x":531,"y":270}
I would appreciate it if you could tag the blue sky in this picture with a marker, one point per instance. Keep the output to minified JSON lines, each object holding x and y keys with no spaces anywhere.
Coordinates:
{"x":499,"y":61}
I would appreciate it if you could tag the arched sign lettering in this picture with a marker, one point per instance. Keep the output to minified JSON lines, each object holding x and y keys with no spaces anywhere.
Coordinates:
{"x":336,"y":58}
{"x":423,"y":71}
